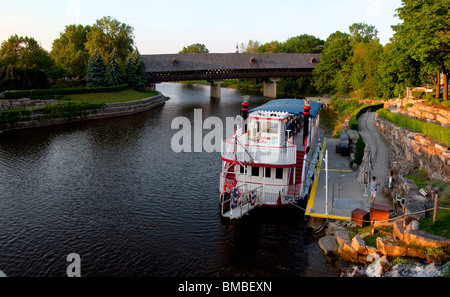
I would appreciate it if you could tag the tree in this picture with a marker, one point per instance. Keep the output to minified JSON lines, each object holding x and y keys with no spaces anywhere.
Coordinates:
{"x":330,"y":76}
{"x":363,"y":33}
{"x":196,"y":48}
{"x":96,"y":72}
{"x":135,"y":71}
{"x":69,"y":50}
{"x":24,"y":52}
{"x":252,"y":46}
{"x":303,"y":44}
{"x":108,"y":34}
{"x":114,"y":74}
{"x":365,"y":62}
{"x":270,"y":47}
{"x":396,"y":70}
{"x":425,"y":34}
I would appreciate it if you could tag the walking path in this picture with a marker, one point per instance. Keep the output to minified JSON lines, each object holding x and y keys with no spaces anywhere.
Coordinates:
{"x":380,"y":152}
{"x":345,"y":193}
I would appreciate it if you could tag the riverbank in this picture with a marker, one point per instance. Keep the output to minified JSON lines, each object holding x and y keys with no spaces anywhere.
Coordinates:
{"x":378,"y":250}
{"x":108,"y":110}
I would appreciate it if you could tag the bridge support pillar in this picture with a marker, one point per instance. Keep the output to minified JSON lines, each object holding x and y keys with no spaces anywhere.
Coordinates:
{"x":215,"y":88}
{"x":270,"y":88}
{"x":150,"y":87}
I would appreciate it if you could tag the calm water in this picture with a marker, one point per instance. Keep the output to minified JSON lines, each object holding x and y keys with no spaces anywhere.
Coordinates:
{"x":115,"y":193}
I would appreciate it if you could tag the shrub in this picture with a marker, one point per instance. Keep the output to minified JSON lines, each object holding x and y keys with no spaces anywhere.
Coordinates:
{"x":51,"y":92}
{"x":359,"y":152}
{"x":408,"y":106}
{"x":418,"y":95}
{"x":436,"y":132}
{"x":358,"y":112}
{"x":67,"y":111}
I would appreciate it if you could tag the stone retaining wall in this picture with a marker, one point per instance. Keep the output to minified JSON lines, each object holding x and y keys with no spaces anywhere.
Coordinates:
{"x":417,"y":149}
{"x":420,"y":110}
{"x":108,"y":111}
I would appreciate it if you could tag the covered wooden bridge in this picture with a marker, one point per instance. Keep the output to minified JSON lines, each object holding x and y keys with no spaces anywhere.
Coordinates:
{"x":215,"y":68}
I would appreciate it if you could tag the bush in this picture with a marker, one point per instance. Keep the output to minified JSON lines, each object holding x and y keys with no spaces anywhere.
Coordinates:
{"x":408,"y":106}
{"x":51,"y":92}
{"x":66,"y":111}
{"x":353,"y":123}
{"x":359,"y":152}
{"x":436,"y":132}
{"x":417,"y":95}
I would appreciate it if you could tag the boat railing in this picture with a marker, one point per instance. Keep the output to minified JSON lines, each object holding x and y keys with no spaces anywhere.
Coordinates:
{"x":236,"y":150}
{"x":241,"y":200}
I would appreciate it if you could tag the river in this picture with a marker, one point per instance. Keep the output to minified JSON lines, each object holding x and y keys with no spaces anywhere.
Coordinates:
{"x":114,"y":192}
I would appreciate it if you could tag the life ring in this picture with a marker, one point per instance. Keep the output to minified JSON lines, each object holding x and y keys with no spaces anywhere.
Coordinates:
{"x":225,"y":188}
{"x":252,"y":197}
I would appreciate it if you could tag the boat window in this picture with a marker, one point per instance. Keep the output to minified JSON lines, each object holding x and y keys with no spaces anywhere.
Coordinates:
{"x":268,"y":172}
{"x":255,"y":171}
{"x":274,"y":127}
{"x":265,"y":127}
{"x":279,"y":173}
{"x":242,"y":169}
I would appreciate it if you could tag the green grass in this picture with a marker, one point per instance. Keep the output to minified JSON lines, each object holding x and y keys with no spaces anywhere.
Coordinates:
{"x":111,"y":97}
{"x":420,"y":177}
{"x":441,"y":227}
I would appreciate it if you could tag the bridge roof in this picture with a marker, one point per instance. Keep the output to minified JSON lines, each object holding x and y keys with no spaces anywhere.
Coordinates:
{"x":244,"y":61}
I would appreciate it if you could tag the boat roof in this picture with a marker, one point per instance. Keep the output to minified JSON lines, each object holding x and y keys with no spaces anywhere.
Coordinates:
{"x":292,"y":106}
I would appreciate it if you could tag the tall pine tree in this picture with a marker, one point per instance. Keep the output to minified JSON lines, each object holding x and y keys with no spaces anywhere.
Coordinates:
{"x":96,"y":72}
{"x":114,"y":74}
{"x":135,"y":71}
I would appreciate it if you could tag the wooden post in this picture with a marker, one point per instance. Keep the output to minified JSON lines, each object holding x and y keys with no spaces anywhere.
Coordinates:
{"x":436,"y":195}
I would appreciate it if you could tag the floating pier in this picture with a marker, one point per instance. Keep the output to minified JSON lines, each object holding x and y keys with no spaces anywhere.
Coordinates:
{"x":345,"y":193}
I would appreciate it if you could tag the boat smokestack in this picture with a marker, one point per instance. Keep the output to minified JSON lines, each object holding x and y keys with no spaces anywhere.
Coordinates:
{"x":306,"y":114}
{"x":245,"y":104}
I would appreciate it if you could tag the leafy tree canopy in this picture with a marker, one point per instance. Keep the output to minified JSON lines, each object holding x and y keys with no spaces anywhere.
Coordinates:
{"x":252,"y":46}
{"x":108,"y":34}
{"x":69,"y":51}
{"x":22,"y":52}
{"x":196,"y":48}
{"x":424,"y":33}
{"x":303,"y":44}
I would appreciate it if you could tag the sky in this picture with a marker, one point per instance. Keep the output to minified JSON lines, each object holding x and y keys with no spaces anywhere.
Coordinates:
{"x":166,"y":26}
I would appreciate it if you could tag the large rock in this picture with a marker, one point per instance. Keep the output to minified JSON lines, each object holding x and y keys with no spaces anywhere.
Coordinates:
{"x":341,"y":237}
{"x":414,"y":206}
{"x":399,"y":229}
{"x":425,"y":239}
{"x":347,"y":253}
{"x":388,"y":246}
{"x":359,"y":245}
{"x":328,"y":245}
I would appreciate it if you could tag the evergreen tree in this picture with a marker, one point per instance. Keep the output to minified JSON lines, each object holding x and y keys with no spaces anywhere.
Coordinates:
{"x":114,"y":74}
{"x":96,"y":71}
{"x":135,"y":71}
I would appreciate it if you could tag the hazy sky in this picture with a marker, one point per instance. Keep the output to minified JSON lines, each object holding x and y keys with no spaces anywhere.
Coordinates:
{"x":166,"y":26}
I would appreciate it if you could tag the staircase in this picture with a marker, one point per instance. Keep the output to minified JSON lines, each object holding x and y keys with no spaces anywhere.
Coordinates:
{"x":298,"y":175}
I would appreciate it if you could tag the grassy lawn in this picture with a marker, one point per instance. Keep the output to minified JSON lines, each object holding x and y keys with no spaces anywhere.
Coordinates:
{"x":113,"y":97}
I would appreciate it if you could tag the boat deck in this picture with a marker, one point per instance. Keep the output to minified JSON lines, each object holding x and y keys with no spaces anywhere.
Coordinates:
{"x":239,"y":211}
{"x":345,"y":193}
